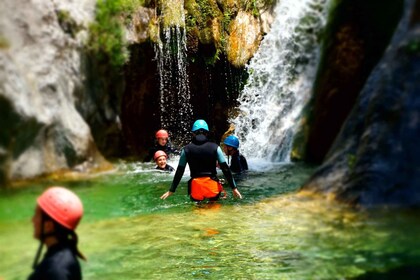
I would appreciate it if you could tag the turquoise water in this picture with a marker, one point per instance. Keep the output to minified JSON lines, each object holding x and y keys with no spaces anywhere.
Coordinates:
{"x":272,"y":233}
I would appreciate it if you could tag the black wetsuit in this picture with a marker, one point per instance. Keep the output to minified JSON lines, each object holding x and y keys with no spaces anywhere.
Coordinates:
{"x":167,"y":168}
{"x":168,"y":149}
{"x":238,"y":163}
{"x":59,"y":263}
{"x":201,"y":156}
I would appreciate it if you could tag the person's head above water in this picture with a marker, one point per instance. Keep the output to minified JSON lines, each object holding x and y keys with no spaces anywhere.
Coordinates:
{"x":160,"y":159}
{"x":232,"y":141}
{"x":61,"y":205}
{"x":231,"y":145}
{"x":200,"y":126}
{"x":162,"y":137}
{"x":57,"y":214}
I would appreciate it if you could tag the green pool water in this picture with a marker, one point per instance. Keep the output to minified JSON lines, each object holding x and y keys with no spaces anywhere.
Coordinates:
{"x":127,"y":232}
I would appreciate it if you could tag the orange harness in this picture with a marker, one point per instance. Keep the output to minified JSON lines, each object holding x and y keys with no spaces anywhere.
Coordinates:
{"x":205,"y":187}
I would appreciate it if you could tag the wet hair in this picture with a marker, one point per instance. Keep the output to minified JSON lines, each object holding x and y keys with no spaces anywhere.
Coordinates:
{"x":64,"y":236}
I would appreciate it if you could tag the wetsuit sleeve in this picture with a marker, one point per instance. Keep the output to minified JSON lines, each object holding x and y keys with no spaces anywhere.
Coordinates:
{"x":228,"y":174}
{"x":179,"y":171}
{"x":225,"y":168}
{"x":169,"y":168}
{"x":220,"y":156}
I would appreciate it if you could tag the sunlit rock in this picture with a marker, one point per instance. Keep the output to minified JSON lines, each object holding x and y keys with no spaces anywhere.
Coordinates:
{"x":172,"y":13}
{"x":244,"y":39}
{"x":40,"y":72}
{"x":141,"y":26}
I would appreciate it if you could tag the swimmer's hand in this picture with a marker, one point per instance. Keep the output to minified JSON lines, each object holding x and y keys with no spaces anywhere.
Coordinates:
{"x":236,"y":193}
{"x":166,"y":195}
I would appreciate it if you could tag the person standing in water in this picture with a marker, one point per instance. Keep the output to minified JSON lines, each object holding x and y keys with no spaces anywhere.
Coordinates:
{"x":57,"y":214}
{"x":160,"y":159}
{"x":202,"y":157}
{"x":238,"y":163}
{"x":162,"y":143}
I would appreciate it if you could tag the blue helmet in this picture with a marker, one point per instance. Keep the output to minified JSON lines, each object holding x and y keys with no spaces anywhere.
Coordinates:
{"x":232,"y":141}
{"x":200,"y":124}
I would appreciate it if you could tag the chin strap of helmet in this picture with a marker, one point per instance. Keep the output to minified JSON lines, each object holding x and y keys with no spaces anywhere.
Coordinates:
{"x":38,"y":254}
{"x":41,"y":243}
{"x":42,"y":237}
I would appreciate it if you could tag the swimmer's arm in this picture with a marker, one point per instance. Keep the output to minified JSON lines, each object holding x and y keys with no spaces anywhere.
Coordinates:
{"x":178,"y":175}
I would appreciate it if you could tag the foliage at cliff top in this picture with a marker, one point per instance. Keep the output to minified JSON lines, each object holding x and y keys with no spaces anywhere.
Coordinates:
{"x":210,"y":20}
{"x":106,"y":34}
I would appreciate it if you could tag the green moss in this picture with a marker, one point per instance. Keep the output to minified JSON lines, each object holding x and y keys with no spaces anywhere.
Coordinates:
{"x":106,"y":38}
{"x":351,"y":161}
{"x":208,"y":9}
{"x":67,"y":23}
{"x":4,"y":43}
{"x":413,"y":46}
{"x":171,"y":13}
{"x":213,"y":59}
{"x":256,"y":6}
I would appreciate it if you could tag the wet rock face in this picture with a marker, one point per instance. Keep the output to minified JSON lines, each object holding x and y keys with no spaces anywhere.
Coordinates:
{"x":376,"y":158}
{"x":138,"y":29}
{"x":41,"y":130}
{"x":357,"y":37}
{"x":140,"y":103}
{"x":244,"y":39}
{"x":213,"y":91}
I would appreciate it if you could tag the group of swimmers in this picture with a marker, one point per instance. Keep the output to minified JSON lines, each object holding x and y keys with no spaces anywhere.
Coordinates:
{"x":58,"y":210}
{"x":163,"y":149}
{"x":202,"y":156}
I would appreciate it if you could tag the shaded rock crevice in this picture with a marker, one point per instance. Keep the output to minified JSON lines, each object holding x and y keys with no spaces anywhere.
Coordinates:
{"x":357,"y":36}
{"x":375,"y":159}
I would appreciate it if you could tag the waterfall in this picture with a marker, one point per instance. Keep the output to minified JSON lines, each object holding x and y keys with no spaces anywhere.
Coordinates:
{"x":282,"y":74}
{"x":175,"y":105}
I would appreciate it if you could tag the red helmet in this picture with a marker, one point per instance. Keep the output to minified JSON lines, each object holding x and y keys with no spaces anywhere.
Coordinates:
{"x":62,"y":205}
{"x":158,"y":154}
{"x":162,"y":134}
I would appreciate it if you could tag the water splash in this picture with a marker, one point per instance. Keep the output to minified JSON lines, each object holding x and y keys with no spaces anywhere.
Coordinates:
{"x":281,"y":77}
{"x":175,"y":105}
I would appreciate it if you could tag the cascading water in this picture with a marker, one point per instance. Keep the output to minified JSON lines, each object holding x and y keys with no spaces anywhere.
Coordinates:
{"x":281,"y":77}
{"x":175,"y":105}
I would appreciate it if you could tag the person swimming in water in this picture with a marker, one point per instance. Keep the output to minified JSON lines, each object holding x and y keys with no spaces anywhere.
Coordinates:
{"x":160,"y":158}
{"x":238,"y":163}
{"x":202,"y":157}
{"x":162,"y":143}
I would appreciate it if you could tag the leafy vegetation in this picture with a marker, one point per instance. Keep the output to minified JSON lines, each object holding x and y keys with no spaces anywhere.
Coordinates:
{"x":106,"y":38}
{"x":256,"y":6}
